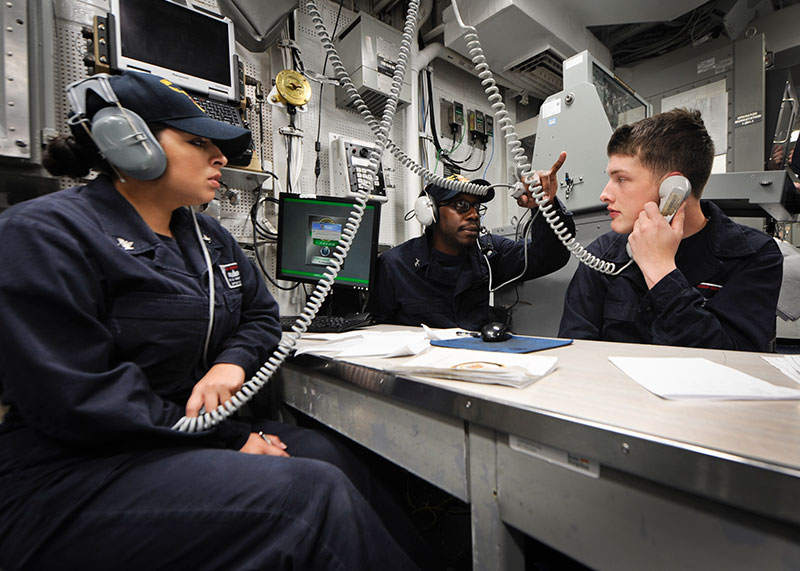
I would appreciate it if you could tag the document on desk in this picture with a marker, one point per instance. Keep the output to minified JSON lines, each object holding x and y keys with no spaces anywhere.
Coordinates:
{"x":789,"y":365}
{"x":678,"y":378}
{"x":511,"y":369}
{"x":367,"y":344}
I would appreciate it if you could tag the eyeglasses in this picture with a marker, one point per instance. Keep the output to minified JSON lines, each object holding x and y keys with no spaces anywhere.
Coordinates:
{"x":462,"y":206}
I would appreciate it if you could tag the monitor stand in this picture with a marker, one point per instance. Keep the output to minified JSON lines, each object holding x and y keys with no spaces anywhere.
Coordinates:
{"x":343,"y":301}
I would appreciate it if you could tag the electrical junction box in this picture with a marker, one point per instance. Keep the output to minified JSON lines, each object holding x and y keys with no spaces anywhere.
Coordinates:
{"x":368,"y":49}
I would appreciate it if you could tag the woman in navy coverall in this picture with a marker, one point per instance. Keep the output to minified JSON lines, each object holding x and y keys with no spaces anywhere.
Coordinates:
{"x":105,"y":309}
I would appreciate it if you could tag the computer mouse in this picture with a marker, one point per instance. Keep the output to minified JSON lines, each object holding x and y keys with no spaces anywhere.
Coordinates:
{"x":495,"y":331}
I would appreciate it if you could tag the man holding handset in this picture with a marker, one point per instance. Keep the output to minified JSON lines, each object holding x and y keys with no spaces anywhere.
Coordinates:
{"x":700,"y":280}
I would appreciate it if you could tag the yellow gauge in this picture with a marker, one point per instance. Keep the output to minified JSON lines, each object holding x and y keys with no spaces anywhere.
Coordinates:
{"x":293,"y":87}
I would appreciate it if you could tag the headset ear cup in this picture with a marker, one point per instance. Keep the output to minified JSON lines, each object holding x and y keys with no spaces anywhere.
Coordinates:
{"x":126,"y":142}
{"x":425,"y":210}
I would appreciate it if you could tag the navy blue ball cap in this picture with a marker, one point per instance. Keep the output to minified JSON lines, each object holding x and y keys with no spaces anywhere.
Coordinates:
{"x":157,"y":100}
{"x":440,"y":194}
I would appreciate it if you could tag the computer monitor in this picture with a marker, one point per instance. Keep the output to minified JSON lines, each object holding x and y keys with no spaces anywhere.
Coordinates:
{"x":308,"y":231}
{"x":188,"y":46}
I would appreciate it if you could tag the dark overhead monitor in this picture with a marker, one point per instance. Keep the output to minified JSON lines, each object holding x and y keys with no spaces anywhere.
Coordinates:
{"x":189,"y":46}
{"x":310,"y":228}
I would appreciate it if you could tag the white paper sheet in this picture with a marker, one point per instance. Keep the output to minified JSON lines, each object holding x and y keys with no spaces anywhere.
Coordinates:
{"x":368,"y":344}
{"x":441,"y":334}
{"x":789,"y":365}
{"x":692,"y":378}
{"x":512,"y":369}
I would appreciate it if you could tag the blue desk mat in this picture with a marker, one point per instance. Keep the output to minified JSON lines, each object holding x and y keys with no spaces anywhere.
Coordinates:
{"x":517,"y":344}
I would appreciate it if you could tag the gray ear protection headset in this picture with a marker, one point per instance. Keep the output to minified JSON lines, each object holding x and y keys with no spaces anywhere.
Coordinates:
{"x":425,"y":209}
{"x":121,"y":135}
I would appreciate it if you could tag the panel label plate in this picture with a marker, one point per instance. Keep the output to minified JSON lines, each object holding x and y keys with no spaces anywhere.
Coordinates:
{"x":563,"y":458}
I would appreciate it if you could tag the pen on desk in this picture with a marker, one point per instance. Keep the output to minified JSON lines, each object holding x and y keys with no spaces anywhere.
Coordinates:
{"x":468,"y":333}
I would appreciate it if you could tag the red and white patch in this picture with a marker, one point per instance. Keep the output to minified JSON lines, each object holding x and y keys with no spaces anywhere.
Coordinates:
{"x":231,"y":274}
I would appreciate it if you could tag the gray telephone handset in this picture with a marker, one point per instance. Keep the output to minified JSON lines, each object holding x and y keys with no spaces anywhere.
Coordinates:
{"x":673,"y":191}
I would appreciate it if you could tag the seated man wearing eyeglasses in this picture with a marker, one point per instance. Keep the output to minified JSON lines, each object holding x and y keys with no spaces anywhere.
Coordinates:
{"x":443,"y":278}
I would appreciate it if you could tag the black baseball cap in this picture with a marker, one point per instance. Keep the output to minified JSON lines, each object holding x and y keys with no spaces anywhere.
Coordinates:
{"x":440,"y":194}
{"x":158,"y":100}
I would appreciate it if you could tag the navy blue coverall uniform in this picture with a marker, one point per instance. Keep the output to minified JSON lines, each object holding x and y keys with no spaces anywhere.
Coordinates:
{"x":416,"y":284}
{"x":723,"y":294}
{"x":102,"y":331}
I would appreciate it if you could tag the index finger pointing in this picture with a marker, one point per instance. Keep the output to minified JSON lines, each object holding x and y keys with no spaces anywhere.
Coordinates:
{"x":559,"y":162}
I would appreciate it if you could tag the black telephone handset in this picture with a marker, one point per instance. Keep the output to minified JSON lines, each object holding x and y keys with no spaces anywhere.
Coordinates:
{"x":673,"y":191}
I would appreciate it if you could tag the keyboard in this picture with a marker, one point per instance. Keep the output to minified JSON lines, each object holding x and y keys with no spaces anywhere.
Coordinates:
{"x":220,"y":110}
{"x":226,"y":112}
{"x":330,"y":323}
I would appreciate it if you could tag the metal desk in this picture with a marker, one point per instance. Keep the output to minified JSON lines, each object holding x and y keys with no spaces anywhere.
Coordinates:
{"x":585,"y":459}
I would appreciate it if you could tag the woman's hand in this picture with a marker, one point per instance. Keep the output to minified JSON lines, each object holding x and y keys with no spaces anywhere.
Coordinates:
{"x":217,"y":385}
{"x":260,"y":443}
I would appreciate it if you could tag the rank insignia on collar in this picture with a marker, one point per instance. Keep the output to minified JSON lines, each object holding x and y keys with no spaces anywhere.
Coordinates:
{"x":125,"y":244}
{"x":416,"y":263}
{"x":206,"y":238}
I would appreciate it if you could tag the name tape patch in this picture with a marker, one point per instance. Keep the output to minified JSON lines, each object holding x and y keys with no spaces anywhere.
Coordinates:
{"x":231,"y":274}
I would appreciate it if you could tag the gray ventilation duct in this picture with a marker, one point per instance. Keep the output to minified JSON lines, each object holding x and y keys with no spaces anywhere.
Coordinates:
{"x":257,"y":24}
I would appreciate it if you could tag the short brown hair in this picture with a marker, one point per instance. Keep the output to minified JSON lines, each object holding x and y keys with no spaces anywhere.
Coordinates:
{"x":675,"y":140}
